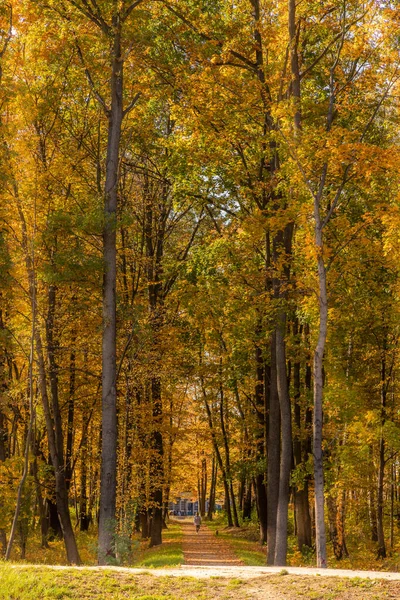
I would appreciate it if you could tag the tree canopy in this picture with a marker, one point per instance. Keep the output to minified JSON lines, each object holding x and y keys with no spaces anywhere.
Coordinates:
{"x":199,"y":283}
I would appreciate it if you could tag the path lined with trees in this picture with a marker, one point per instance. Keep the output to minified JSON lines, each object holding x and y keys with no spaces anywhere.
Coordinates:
{"x":199,"y":281}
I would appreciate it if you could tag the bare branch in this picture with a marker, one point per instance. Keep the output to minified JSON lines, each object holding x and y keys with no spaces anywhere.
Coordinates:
{"x":329,"y":46}
{"x":252,"y":66}
{"x":97,"y":94}
{"x":217,"y":227}
{"x":378,"y":106}
{"x":187,"y":22}
{"x":183,"y":256}
{"x":96,"y":17}
{"x":6,"y":41}
{"x":229,"y":63}
{"x":9,"y":33}
{"x":131,"y":105}
{"x":130,"y":9}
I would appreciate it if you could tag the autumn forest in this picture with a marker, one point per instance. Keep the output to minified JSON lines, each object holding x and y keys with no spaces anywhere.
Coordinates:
{"x":199,"y":272}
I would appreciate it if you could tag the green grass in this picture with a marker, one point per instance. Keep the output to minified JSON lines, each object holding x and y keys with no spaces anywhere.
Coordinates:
{"x":37,"y":583}
{"x":139,"y":554}
{"x":243,"y":541}
{"x":28,"y":582}
{"x":30,"y":585}
{"x":169,"y":554}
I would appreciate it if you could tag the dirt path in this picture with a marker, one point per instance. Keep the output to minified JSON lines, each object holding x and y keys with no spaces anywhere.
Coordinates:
{"x":206,"y":549}
{"x":234,"y":571}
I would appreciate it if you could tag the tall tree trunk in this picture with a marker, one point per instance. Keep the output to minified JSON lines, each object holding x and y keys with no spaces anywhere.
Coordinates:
{"x":93,"y":473}
{"x":142,"y":394}
{"x":303,"y":517}
{"x":332,"y":512}
{"x":154,"y":231}
{"x":85,"y":515}
{"x":70,"y":415}
{"x":320,"y":533}
{"x":392,"y":486}
{"x":3,"y":437}
{"x":372,"y":504}
{"x":320,"y":221}
{"x":286,"y":454}
{"x":301,"y":450}
{"x":247,"y":502}
{"x":336,"y":511}
{"x":241,"y":491}
{"x":3,"y":536}
{"x":54,"y":528}
{"x":274,"y":436}
{"x":282,"y":247}
{"x":157,"y":467}
{"x":144,"y":524}
{"x":44,"y":524}
{"x":53,"y":422}
{"x":230,"y":499}
{"x":169,"y":463}
{"x":260,"y":406}
{"x":84,"y":521}
{"x":218,"y":457}
{"x":300,"y":454}
{"x":28,"y":437}
{"x":56,"y":453}
{"x":234,"y":507}
{"x":213,"y":486}
{"x":381,"y":468}
{"x":203,"y":488}
{"x":341,"y":516}
{"x":108,"y":480}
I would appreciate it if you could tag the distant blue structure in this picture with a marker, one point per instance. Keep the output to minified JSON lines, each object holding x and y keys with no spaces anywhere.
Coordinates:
{"x":184,"y":507}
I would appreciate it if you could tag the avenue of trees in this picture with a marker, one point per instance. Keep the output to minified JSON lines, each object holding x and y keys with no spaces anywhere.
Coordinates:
{"x":199,"y":270}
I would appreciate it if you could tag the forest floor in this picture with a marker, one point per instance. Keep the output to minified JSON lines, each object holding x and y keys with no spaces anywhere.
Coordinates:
{"x":203,"y":566}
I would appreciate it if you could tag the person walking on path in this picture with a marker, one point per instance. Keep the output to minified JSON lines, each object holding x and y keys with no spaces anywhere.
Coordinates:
{"x":197,"y":522}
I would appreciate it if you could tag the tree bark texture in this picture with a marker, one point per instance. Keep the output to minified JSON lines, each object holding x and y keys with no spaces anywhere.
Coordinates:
{"x":57,"y":461}
{"x":260,"y":406}
{"x":286,"y":452}
{"x":213,"y":485}
{"x":109,"y":391}
{"x":300,"y":455}
{"x":3,"y":536}
{"x":274,"y":437}
{"x":157,"y":466}
{"x":70,"y":416}
{"x":320,"y":533}
{"x":231,"y":495}
{"x":28,"y":438}
{"x":372,"y":514}
{"x":381,"y":467}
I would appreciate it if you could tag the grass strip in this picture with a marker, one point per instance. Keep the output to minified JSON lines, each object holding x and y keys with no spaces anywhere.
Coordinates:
{"x":242,"y":541}
{"x":169,"y":554}
{"x":39,"y":582}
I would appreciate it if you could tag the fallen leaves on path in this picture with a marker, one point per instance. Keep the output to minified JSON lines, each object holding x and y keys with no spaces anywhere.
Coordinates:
{"x":205,"y":548}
